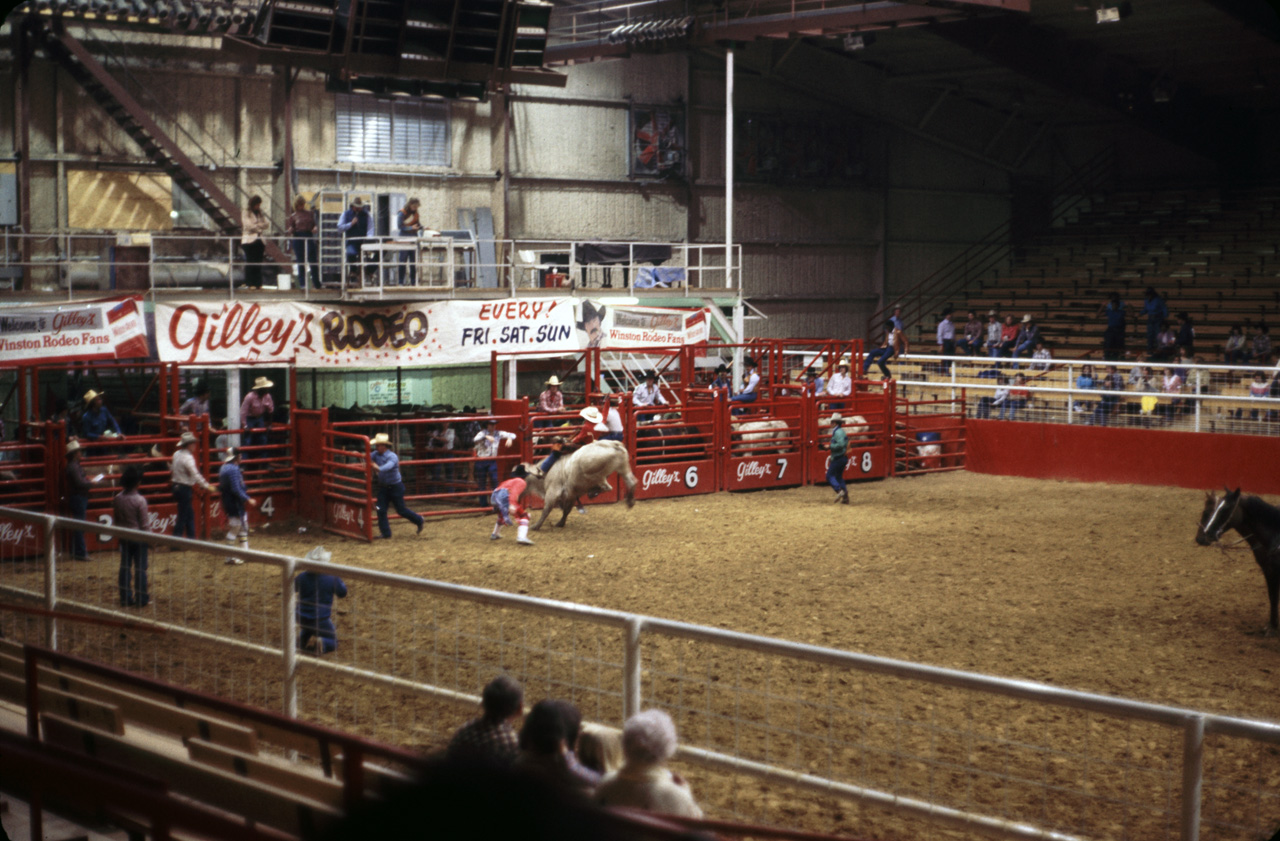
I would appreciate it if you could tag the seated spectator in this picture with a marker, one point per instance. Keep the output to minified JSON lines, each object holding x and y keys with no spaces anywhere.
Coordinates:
{"x":647,"y":394}
{"x":1008,"y":337}
{"x":1186,"y":334}
{"x":491,"y":739}
{"x":723,"y":379}
{"x":1084,"y":382}
{"x":1166,"y":344}
{"x":750,"y":384}
{"x":645,"y":782}
{"x":993,"y":334}
{"x":1019,"y":398}
{"x":600,"y":749}
{"x":1135,"y":376}
{"x":1028,"y":336}
{"x":1108,"y":403}
{"x":974,"y":333}
{"x":946,"y":338}
{"x":1001,"y":395}
{"x":1261,"y":347}
{"x":1234,"y":351}
{"x":892,"y":343}
{"x":1147,"y":381}
{"x":549,"y":401}
{"x":1183,"y":368}
{"x":612,"y":419}
{"x":547,"y":742}
{"x":1171,"y":384}
{"x":1260,"y":389}
{"x":1042,"y":353}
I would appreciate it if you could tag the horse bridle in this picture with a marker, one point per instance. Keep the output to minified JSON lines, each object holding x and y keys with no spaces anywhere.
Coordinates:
{"x":1226,"y":521}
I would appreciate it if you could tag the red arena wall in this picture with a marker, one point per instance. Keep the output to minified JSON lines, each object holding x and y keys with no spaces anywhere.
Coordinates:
{"x":1138,"y":456}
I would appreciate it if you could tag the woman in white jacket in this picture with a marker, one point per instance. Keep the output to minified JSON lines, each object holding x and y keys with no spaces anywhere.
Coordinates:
{"x":254,"y":224}
{"x":644,"y":781}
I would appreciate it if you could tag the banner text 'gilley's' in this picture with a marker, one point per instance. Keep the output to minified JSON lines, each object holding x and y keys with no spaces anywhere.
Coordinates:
{"x":238,"y":328}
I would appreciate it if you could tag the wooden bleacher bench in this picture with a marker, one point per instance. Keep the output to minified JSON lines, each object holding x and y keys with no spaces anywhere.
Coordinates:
{"x":142,"y":710}
{"x":101,"y":716}
{"x":251,"y":767}
{"x":257,"y":802}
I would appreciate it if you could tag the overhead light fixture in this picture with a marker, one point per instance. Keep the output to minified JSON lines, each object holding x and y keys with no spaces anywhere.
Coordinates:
{"x":854,"y":41}
{"x":1113,"y":14}
{"x":663,"y":29}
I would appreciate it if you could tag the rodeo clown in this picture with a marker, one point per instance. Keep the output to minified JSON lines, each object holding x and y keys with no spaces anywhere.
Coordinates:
{"x":508,"y":501}
{"x":235,"y":501}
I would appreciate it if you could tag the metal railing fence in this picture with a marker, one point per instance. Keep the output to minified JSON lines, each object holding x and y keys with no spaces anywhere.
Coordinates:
{"x":62,"y":263}
{"x":972,"y":752}
{"x":1209,"y":398}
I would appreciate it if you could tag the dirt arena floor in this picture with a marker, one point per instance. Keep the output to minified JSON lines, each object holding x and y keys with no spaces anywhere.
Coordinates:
{"x":1091,"y":587}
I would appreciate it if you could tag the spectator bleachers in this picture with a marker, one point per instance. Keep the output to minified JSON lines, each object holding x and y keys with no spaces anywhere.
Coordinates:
{"x":1213,"y":253}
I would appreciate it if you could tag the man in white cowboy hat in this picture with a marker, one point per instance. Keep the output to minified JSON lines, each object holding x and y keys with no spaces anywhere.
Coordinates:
{"x":235,"y":501}
{"x":315,"y":604}
{"x":256,"y":410}
{"x":97,"y":422}
{"x":1028,"y":335}
{"x":390,"y":485}
{"x":839,"y":459}
{"x":186,"y":477}
{"x":78,"y":487}
{"x":840,"y":384}
{"x":587,"y":433}
{"x":551,"y":399}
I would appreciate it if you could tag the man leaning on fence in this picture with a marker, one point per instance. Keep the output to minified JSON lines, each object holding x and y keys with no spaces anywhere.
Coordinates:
{"x":487,"y":441}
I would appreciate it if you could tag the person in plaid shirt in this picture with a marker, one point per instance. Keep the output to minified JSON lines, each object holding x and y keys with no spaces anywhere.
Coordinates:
{"x":491,"y":738}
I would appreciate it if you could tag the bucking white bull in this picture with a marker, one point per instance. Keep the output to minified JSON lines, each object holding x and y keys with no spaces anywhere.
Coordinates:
{"x":582,"y":471}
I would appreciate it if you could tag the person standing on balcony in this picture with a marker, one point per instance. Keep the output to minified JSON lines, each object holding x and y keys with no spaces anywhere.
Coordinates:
{"x":256,"y":411}
{"x":353,"y":224}
{"x":198,"y":402}
{"x":97,"y":421}
{"x":408,"y":225}
{"x":1113,"y":336}
{"x":301,"y":226}
{"x":254,"y":224}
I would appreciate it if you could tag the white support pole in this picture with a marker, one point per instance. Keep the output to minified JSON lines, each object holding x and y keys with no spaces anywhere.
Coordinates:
{"x":728,"y":171}
{"x":1192,"y":777}
{"x":233,"y":403}
{"x":631,"y":691}
{"x":50,"y":585}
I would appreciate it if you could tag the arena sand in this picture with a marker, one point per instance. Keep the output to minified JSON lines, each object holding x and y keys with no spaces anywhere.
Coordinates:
{"x":1091,"y":587}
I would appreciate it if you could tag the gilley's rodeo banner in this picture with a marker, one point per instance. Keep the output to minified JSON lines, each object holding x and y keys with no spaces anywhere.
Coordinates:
{"x":112,"y":329}
{"x":423,"y":333}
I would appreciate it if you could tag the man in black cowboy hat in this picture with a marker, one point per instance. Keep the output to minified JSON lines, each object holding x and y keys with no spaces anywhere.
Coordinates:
{"x":647,"y":394}
{"x":592,"y":323}
{"x":198,"y":402}
{"x":751,"y":382}
{"x":723,"y":378}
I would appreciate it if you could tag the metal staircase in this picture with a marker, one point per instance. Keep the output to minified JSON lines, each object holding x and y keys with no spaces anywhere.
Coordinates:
{"x":131,"y":116}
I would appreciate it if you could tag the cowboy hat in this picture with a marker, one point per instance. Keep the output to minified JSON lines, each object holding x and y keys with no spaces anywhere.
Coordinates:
{"x":187,"y":439}
{"x":319,"y":554}
{"x":201,"y":387}
{"x":650,"y":375}
{"x":155,"y":451}
{"x":91,"y":395}
{"x":590,"y":312}
{"x":749,"y":362}
{"x":836,"y":418}
{"x":73,"y":446}
{"x":1026,"y":319}
{"x":262,"y":382}
{"x":230,"y":455}
{"x":554,"y":380}
{"x":722,"y":369}
{"x":381,"y":438}
{"x":843,"y":363}
{"x":992,"y":313}
{"x":592,"y":414}
{"x":357,"y":202}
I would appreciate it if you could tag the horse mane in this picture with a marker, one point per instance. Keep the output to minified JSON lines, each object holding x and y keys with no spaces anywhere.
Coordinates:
{"x":1262,"y":511}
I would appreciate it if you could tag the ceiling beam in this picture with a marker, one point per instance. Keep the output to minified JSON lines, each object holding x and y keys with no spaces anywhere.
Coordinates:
{"x":1197,"y":122}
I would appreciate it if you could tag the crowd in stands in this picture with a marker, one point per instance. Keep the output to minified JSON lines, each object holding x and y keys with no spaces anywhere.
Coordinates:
{"x":551,"y":744}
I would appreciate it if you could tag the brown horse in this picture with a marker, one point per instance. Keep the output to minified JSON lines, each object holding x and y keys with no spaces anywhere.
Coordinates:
{"x":1258,"y":524}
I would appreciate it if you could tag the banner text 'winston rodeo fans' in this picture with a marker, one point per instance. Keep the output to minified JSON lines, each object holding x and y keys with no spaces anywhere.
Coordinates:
{"x":422,"y":333}
{"x":112,"y":329}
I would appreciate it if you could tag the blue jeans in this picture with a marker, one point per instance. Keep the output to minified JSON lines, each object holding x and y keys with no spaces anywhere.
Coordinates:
{"x":186,"y":524}
{"x":305,"y":254}
{"x":79,"y":506}
{"x":549,"y":461}
{"x":255,"y":439}
{"x":410,"y":258}
{"x":1013,"y":406}
{"x":746,"y":397}
{"x":835,"y":472}
{"x":393,"y":495}
{"x":879,"y":356}
{"x":486,"y":477}
{"x":613,"y":436}
{"x":310,"y":626}
{"x":133,"y":574}
{"x":501,"y":502}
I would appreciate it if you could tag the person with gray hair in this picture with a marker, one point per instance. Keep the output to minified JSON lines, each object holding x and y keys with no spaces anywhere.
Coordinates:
{"x":644,"y":781}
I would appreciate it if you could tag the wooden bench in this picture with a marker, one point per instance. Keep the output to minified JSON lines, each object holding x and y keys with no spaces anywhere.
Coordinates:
{"x":104,"y":717}
{"x":251,"y":767}
{"x":141,"y":710}
{"x":257,"y":802}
